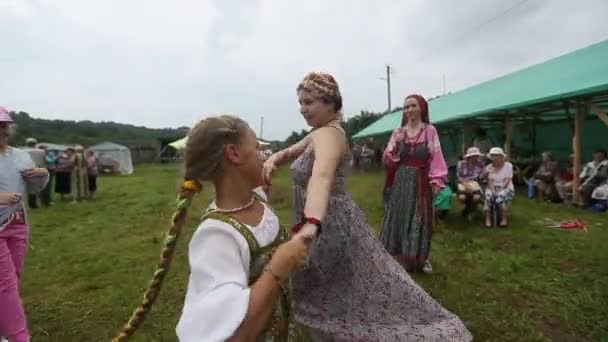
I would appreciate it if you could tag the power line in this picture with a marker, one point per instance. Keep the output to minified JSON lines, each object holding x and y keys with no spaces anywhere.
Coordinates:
{"x":459,"y":38}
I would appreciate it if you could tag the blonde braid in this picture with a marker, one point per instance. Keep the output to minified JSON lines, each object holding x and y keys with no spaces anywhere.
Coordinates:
{"x":187,"y":192}
{"x":203,"y":157}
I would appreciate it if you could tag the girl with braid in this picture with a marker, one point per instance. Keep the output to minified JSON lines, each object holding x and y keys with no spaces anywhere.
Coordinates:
{"x":239,"y":260}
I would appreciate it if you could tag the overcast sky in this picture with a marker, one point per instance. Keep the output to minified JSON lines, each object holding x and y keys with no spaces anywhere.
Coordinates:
{"x":169,"y":63}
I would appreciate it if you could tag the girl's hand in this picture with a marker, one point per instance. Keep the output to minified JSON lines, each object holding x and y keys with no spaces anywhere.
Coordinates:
{"x":268,"y":170}
{"x":435,"y":189}
{"x":308,"y":231}
{"x":37,"y":172}
{"x":291,"y":254}
{"x":10,"y":198}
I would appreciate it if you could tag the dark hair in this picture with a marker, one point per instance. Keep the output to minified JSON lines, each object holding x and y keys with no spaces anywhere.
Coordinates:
{"x":202,"y":158}
{"x":602,"y":152}
{"x":424,"y":109}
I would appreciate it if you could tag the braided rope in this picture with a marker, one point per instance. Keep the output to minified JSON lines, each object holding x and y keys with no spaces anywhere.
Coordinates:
{"x":184,"y":200}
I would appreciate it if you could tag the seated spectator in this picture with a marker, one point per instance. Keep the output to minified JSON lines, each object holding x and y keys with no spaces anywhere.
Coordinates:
{"x":545,"y":178}
{"x":468,"y":172}
{"x":563,"y":185}
{"x":600,"y":197}
{"x":594,"y":174}
{"x":500,"y":189}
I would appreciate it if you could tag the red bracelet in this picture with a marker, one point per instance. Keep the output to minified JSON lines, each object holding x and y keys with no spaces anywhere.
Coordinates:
{"x":305,"y":219}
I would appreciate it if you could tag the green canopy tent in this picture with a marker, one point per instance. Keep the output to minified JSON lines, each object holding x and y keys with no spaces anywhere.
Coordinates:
{"x":526,"y":109}
{"x":542,"y":107}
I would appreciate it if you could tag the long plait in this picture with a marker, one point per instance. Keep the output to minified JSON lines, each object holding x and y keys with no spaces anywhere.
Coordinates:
{"x":188,"y":189}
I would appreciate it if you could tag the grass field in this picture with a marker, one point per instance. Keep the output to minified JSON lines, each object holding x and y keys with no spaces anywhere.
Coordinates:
{"x":89,"y":263}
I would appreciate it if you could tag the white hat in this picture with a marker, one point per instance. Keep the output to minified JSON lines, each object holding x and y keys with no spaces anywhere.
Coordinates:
{"x":31,"y":141}
{"x":473,"y":152}
{"x":496,"y":151}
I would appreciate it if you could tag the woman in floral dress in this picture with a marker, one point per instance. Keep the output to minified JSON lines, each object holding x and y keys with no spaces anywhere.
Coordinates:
{"x":351,"y":289}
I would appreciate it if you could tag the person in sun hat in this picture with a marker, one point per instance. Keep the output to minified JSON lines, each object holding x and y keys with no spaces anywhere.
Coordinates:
{"x":18,"y":173}
{"x":468,"y":172}
{"x":500,"y":189}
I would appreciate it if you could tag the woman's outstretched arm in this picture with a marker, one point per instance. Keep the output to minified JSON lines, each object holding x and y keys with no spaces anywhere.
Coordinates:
{"x":329,"y":146}
{"x":290,"y":153}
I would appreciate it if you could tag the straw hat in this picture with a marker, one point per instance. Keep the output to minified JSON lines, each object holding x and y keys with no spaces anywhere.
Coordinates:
{"x":496,"y":151}
{"x":473,"y":152}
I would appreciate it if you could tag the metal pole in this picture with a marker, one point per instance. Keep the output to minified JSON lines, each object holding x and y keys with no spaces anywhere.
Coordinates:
{"x":388,"y":86}
{"x":262,"y":128}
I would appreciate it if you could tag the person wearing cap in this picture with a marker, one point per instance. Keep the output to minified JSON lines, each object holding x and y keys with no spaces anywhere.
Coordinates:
{"x":500,"y":189}
{"x":18,"y":173}
{"x":38,"y":157}
{"x":468,"y":171}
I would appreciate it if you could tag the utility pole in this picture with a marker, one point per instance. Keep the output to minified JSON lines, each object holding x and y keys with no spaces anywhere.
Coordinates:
{"x":389,"y":70}
{"x":262,"y":128}
{"x":388,"y":86}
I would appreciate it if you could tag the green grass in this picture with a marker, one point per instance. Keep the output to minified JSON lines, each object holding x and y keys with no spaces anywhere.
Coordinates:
{"x":89,"y":263}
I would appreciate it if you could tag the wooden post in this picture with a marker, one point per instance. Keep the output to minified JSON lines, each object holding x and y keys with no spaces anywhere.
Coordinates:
{"x":599,"y":113}
{"x":508,"y":136}
{"x":534,"y":136}
{"x":579,"y":118}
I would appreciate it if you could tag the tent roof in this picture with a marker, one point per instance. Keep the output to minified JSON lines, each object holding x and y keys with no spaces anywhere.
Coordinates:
{"x":578,"y":73}
{"x":180,"y":143}
{"x":107,"y":146}
{"x":54,"y":147}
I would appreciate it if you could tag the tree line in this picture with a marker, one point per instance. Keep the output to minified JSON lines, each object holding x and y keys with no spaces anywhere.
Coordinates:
{"x":351,"y":125}
{"x":89,"y":133}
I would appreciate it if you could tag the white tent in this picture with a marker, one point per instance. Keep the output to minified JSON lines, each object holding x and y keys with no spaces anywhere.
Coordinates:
{"x":53,"y":147}
{"x":118,"y":153}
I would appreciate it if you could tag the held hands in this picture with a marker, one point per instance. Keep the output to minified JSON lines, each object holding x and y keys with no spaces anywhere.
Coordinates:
{"x":308,"y":232}
{"x":10,"y":198}
{"x":36,"y":172}
{"x":291,"y":254}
